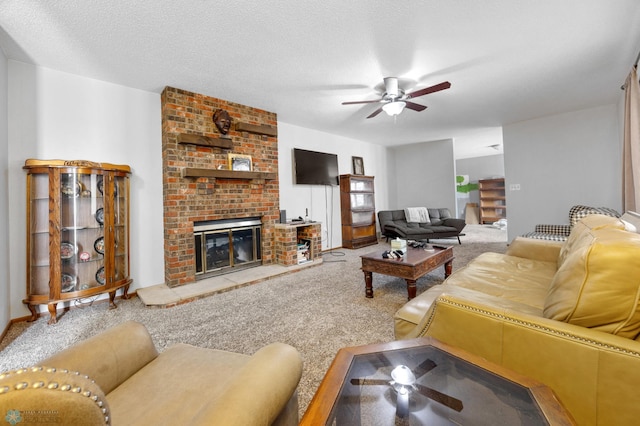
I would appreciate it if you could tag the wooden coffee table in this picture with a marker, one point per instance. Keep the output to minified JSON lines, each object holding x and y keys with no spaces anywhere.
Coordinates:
{"x":447,"y":386}
{"x":416,"y":263}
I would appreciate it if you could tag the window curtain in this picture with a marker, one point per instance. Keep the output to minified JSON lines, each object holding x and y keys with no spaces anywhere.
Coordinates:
{"x":631,"y":150}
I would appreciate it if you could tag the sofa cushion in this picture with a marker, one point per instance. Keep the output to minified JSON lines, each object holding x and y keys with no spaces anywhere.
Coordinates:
{"x":179,"y":370}
{"x":515,"y":278}
{"x":598,"y":285}
{"x":582,"y":228}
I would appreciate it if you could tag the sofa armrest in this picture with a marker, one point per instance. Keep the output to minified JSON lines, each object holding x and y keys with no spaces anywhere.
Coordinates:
{"x":459,"y":224}
{"x":392,"y":230}
{"x":535,"y":249}
{"x":51,"y":396}
{"x":582,"y":366}
{"x":260,"y":390}
{"x":110,"y":357}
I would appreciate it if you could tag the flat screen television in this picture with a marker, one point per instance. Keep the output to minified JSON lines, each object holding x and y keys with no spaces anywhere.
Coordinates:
{"x":315,"y":168}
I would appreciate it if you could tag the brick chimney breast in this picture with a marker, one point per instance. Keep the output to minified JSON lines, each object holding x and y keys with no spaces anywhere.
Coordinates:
{"x":190,"y":140}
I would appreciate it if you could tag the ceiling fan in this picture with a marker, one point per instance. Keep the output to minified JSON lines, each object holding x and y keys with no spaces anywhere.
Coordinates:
{"x":395,"y":100}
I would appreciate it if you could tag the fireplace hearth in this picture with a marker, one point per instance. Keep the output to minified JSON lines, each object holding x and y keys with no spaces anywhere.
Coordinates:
{"x":227,"y":245}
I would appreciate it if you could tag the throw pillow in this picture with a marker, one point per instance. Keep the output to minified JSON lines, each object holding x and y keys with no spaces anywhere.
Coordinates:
{"x":589,"y":223}
{"x":597,"y":286}
{"x":631,"y":221}
{"x":576,"y":213}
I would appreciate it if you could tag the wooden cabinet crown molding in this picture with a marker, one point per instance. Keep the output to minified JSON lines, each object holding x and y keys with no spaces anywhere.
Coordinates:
{"x":33,"y":163}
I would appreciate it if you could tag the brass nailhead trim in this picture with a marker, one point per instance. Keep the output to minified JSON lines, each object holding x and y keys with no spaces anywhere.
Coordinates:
{"x":54,"y":385}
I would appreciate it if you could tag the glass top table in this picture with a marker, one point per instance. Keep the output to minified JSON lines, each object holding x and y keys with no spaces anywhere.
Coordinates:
{"x":425,"y":382}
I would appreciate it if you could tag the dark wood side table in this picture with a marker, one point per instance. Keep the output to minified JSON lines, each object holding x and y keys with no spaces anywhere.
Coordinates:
{"x":416,"y":263}
{"x":451,"y":386}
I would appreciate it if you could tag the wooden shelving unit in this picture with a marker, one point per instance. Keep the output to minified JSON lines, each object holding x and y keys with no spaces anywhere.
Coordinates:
{"x":358,"y":211}
{"x":492,"y":200}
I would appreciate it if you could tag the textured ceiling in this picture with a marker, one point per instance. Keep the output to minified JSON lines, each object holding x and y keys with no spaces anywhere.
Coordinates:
{"x":507,"y":60}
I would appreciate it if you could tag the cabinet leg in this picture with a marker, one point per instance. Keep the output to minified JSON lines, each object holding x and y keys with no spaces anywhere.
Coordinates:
{"x":125,"y":295}
{"x":34,"y":312}
{"x":53,"y":313}
{"x":112,"y":297}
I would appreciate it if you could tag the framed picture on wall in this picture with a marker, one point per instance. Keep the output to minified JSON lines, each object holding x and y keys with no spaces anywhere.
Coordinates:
{"x":240,"y":162}
{"x":358,"y":165}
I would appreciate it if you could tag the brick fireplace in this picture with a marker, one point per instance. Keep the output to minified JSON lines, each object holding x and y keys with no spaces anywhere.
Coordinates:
{"x":197,"y":183}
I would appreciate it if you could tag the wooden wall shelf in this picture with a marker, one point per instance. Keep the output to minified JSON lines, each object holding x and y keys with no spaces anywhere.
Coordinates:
{"x":258,"y":129}
{"x":189,"y":172}
{"x":200,"y":140}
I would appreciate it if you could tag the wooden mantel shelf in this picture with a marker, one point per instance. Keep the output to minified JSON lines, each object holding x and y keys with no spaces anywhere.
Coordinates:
{"x":189,"y":172}
{"x":260,"y":129}
{"x":191,"y":139}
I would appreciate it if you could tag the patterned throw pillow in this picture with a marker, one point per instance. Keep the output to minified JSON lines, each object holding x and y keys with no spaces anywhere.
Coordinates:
{"x":579,"y":212}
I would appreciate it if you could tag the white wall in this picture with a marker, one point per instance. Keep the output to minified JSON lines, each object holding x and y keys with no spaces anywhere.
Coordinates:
{"x":425,"y":176}
{"x":5,"y":314}
{"x":54,"y":115}
{"x":323,"y":202}
{"x":560,"y":161}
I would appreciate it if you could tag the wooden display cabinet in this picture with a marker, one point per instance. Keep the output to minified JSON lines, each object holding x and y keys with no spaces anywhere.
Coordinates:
{"x":492,"y":200}
{"x":358,"y":211}
{"x":77,"y":232}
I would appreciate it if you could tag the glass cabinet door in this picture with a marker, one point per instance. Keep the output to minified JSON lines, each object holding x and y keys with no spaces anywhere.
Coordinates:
{"x":82,"y":244}
{"x":38,"y":188}
{"x":121,"y":227}
{"x":363,"y":185}
{"x":361,"y":201}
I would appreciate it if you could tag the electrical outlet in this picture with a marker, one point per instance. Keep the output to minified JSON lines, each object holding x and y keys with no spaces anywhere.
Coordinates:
{"x":514,"y":187}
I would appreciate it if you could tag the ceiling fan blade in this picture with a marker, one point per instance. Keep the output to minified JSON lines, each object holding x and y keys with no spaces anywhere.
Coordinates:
{"x":363,"y":381}
{"x":449,"y":401}
{"x":374,"y":113}
{"x":360,"y":102}
{"x":422,"y":369}
{"x":438,"y":87}
{"x":414,"y":106}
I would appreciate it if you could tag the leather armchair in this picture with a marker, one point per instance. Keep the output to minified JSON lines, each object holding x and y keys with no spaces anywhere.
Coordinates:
{"x":118,"y":377}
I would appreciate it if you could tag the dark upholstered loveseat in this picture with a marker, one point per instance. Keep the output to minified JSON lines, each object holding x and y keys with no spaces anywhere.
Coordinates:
{"x":393,"y":223}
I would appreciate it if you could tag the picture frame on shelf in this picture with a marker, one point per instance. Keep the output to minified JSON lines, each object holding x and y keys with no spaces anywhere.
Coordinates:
{"x":240,"y":162}
{"x":358,"y":165}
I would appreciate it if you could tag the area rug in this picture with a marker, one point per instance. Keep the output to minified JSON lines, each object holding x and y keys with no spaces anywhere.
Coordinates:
{"x":317,"y":310}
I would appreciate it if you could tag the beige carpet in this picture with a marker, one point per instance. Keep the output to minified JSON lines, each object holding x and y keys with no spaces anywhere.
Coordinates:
{"x":317,"y":310}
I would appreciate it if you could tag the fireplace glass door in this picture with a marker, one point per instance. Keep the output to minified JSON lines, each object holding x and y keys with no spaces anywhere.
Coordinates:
{"x":220,"y":251}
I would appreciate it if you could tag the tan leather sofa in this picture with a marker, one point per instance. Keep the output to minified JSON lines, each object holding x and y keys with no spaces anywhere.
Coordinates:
{"x":123,"y":380}
{"x":566,"y":314}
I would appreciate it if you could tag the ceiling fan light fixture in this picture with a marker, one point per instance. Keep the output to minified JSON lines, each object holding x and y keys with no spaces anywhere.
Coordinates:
{"x":394,"y":108}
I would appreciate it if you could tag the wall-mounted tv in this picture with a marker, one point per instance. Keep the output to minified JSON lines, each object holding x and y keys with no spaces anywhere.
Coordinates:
{"x":315,"y":168}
